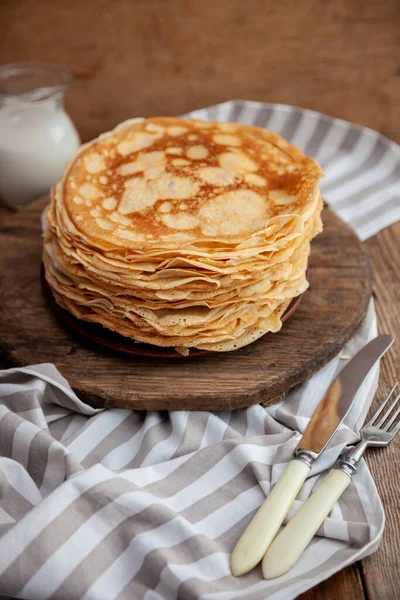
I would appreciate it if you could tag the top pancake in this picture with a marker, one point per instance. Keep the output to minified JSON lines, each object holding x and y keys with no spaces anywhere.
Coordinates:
{"x":165,"y":182}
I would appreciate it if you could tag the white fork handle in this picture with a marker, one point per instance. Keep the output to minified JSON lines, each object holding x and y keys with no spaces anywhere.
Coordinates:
{"x":259,"y":534}
{"x":290,"y":544}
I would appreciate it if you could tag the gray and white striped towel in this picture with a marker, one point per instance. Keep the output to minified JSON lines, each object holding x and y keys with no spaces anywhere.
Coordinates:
{"x":117,"y":504}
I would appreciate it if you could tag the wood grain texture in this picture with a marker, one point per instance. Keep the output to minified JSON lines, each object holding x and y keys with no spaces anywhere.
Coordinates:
{"x":345,"y":585}
{"x":381,"y":571}
{"x":147,"y":57}
{"x":329,"y":314}
{"x":143,"y":57}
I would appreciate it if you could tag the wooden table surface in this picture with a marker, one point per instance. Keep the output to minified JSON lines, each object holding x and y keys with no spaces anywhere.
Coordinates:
{"x":144,"y":57}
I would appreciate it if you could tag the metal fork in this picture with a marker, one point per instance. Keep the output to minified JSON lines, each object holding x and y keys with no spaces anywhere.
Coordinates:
{"x":374,"y":433}
{"x":289,"y":545}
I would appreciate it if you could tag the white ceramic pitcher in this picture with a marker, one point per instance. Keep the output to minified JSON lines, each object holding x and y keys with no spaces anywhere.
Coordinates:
{"x":37,"y":137}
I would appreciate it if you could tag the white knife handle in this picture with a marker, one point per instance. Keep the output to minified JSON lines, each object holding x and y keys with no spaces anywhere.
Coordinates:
{"x":289,"y":545}
{"x":259,"y":534}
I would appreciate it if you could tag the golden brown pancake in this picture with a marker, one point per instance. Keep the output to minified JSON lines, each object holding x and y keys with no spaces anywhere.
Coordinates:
{"x":183,"y":233}
{"x":163,"y":182}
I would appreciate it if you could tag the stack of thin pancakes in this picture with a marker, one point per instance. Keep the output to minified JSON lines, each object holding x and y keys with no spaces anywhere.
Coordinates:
{"x":183,"y":233}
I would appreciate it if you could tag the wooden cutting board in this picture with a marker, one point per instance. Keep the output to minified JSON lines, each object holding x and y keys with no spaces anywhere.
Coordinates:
{"x":329,"y":314}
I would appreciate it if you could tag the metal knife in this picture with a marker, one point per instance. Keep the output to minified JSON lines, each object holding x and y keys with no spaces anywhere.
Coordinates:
{"x":329,"y":414}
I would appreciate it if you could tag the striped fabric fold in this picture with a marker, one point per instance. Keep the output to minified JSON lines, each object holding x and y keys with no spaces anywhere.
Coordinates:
{"x":117,"y":504}
{"x":150,"y":505}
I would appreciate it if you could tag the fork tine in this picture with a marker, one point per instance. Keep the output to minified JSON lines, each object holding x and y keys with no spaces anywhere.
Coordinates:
{"x":387,"y":413}
{"x":380,"y":409}
{"x":394,"y":417}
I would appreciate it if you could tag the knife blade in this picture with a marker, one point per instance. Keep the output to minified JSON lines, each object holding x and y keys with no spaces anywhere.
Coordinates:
{"x":336,"y":403}
{"x":326,"y":419}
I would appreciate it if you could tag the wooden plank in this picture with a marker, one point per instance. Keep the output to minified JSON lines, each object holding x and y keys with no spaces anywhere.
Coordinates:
{"x":329,"y":314}
{"x":345,"y":585}
{"x":158,"y":57}
{"x":381,"y":571}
